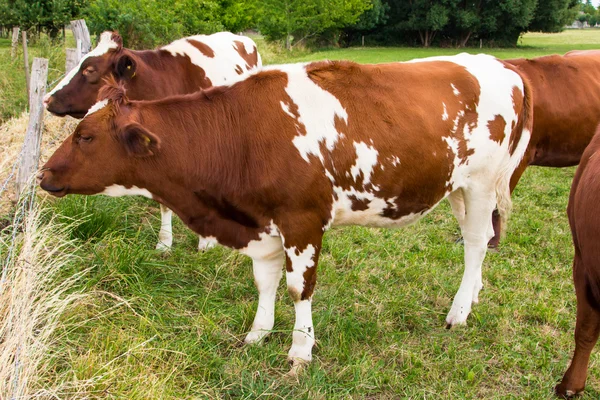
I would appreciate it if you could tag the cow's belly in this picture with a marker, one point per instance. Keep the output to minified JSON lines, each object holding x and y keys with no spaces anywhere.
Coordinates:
{"x":371,"y":213}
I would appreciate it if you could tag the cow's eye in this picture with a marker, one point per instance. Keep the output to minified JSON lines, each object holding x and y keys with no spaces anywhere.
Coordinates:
{"x":89,"y":70}
{"x":85,"y":139}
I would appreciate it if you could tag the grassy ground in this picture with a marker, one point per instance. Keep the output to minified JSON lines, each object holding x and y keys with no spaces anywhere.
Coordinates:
{"x":379,"y":305}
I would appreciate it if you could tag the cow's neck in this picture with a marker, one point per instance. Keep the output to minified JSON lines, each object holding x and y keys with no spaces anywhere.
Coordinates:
{"x":160,"y":74}
{"x":205,"y":176}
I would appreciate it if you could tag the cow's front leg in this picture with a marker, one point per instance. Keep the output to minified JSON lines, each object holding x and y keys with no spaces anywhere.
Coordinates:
{"x":301,"y":275}
{"x":267,"y":264}
{"x":165,"y":235}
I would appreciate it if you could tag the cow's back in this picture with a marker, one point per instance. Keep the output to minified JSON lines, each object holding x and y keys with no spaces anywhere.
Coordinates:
{"x":223,"y":56}
{"x":566,"y":105}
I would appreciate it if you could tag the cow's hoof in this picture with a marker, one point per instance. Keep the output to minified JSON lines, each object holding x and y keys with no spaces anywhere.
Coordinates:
{"x":459,"y":312}
{"x":296,"y":367}
{"x":205,"y":244}
{"x":562,"y":392}
{"x":256,"y":336}
{"x":160,"y":246}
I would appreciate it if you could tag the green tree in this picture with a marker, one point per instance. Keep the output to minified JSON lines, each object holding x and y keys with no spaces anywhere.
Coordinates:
{"x":238,"y":15}
{"x":553,"y":15}
{"x":145,"y":24}
{"x":296,"y":20}
{"x":427,"y":18}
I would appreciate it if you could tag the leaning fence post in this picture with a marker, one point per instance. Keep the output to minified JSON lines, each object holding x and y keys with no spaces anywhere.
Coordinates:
{"x":31,"y":147}
{"x":15,"y":41}
{"x":26,"y":60}
{"x":80,"y":31}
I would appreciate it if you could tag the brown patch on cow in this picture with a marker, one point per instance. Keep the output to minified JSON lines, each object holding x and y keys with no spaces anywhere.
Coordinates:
{"x":517,"y":97}
{"x":115,"y":37}
{"x":250,"y":58}
{"x":202,"y":47}
{"x":414,"y":192}
{"x":496,"y":127}
{"x":359,"y":204}
{"x":239,"y":70}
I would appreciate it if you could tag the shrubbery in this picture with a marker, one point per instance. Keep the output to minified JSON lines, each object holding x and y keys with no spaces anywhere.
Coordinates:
{"x":457,"y":23}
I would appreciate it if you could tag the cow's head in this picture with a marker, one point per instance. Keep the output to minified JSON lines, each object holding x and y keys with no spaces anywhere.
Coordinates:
{"x":78,"y":91}
{"x":106,"y":149}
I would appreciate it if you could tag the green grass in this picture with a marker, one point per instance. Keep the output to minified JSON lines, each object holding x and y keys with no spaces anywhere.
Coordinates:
{"x":379,"y":305}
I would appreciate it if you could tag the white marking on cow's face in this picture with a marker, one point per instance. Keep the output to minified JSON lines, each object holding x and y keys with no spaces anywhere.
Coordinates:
{"x":317,"y":110}
{"x":96,"y":107}
{"x":454,"y":90}
{"x":222,"y":45}
{"x":120,"y":190}
{"x":366,"y":159}
{"x":300,"y":263}
{"x":395,"y":161}
{"x":445,"y":113}
{"x":104,"y":46}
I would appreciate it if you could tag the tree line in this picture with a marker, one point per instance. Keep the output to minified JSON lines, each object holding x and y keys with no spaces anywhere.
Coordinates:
{"x":452,"y":23}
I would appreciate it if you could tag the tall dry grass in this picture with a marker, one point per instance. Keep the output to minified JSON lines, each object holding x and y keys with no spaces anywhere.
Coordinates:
{"x":34,"y":295}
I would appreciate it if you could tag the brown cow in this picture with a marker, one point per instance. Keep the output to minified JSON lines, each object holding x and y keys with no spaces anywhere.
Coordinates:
{"x":181,"y":67}
{"x":566,"y":102}
{"x":584,"y":218}
{"x":268,"y":164}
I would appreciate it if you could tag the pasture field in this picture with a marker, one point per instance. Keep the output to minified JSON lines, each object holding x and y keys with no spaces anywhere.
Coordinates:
{"x":171,"y":326}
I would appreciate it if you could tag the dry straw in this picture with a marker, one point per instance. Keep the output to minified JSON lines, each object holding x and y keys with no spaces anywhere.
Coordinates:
{"x":12,"y":134}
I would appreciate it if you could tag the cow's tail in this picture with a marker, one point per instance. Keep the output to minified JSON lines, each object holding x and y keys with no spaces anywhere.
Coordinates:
{"x":517,"y":146}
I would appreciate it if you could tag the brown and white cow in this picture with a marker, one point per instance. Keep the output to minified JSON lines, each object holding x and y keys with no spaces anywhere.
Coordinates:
{"x":584,"y":218}
{"x":184,"y":66}
{"x":268,"y":164}
{"x":566,"y":102}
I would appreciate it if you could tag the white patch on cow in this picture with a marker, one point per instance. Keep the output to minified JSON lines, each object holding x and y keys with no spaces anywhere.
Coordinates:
{"x":222,"y":45}
{"x":366,"y":159}
{"x":395,"y":161}
{"x":343,"y":214}
{"x":454,"y":90}
{"x":96,"y":107}
{"x":317,"y":110}
{"x":286,"y":109}
{"x":445,"y":113}
{"x":301,"y":261}
{"x":120,"y":190}
{"x":104,"y":46}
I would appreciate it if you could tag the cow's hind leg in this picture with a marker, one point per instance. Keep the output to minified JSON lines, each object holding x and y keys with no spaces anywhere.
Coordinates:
{"x":587,"y":329}
{"x":165,"y":235}
{"x":476,"y":230}
{"x":267,"y":264}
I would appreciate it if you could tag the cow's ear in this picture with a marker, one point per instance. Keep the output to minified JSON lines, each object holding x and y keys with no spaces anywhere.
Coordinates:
{"x":139,"y":142}
{"x":125,"y":67}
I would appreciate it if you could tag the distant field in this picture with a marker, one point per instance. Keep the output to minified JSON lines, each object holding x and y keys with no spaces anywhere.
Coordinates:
{"x":379,"y":304}
{"x":531,"y":45}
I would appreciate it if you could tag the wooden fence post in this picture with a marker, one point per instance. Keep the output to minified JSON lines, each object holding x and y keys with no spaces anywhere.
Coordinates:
{"x":71,"y":60}
{"x":26,"y":60}
{"x":73,"y":57}
{"x":80,"y":31}
{"x":33,"y":137}
{"x":15,"y":41}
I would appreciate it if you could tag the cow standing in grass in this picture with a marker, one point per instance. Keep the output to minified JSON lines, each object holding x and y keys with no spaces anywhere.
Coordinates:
{"x":270,"y":163}
{"x":584,"y":218}
{"x":566,"y":102}
{"x":184,"y":66}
